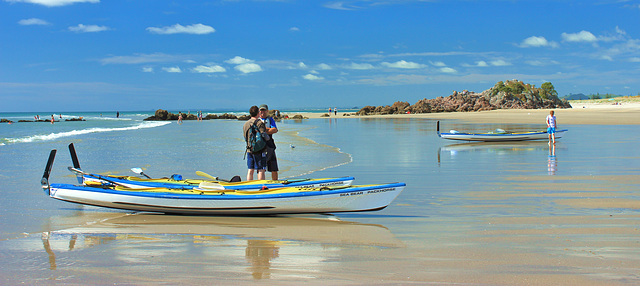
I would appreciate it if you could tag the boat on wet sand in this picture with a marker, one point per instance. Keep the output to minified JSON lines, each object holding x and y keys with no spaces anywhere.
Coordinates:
{"x":498,"y":135}
{"x":213,"y":201}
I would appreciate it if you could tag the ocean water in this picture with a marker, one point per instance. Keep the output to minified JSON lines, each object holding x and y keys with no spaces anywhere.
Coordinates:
{"x":461,"y":199}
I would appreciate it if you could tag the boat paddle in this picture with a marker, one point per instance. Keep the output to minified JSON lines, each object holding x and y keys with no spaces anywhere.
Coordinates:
{"x":72,"y":169}
{"x":140,"y":172}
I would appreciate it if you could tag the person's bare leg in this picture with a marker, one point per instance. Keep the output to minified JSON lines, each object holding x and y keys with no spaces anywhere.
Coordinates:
{"x":250,"y":174}
{"x":261,"y":174}
{"x":274,"y":175}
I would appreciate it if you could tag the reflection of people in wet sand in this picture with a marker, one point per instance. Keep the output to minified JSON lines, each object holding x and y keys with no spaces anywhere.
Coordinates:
{"x":552,"y":164}
{"x":260,"y":253}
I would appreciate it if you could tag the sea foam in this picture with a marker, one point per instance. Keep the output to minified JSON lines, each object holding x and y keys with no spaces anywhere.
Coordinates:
{"x":53,"y":136}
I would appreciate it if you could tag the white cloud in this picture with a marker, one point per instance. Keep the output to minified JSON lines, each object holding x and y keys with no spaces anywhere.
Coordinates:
{"x":324,"y":66}
{"x":355,"y":66}
{"x":582,"y":36}
{"x":482,"y":64}
{"x":294,"y":29}
{"x":403,"y":65}
{"x":338,"y":5}
{"x":438,"y":64}
{"x":33,"y":21}
{"x":80,"y":28}
{"x":500,"y":63}
{"x":248,"y":68}
{"x":209,"y":69}
{"x":141,"y":59}
{"x":635,"y":60}
{"x":172,"y":69}
{"x":147,"y":69}
{"x":238,"y":61}
{"x":448,"y":70}
{"x":302,"y":65}
{"x":535,"y":41}
{"x":312,"y":77}
{"x":198,"y":29}
{"x":53,"y":3}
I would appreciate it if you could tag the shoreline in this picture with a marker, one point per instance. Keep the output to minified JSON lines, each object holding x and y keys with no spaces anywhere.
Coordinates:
{"x":589,"y":113}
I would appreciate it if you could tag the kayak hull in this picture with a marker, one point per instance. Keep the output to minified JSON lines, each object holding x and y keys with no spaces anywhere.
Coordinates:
{"x":275,"y":201}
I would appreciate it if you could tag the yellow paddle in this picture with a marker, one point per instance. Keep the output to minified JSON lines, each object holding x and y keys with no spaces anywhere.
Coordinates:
{"x":203,"y":174}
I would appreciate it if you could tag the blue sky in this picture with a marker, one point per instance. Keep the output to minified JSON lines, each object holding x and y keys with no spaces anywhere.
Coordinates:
{"x":98,"y":55}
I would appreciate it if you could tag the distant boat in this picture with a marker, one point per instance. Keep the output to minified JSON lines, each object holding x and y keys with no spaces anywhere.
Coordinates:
{"x":498,"y":135}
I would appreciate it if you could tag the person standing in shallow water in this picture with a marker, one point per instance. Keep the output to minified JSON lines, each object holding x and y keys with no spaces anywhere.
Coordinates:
{"x":257,"y":161}
{"x":551,"y":127}
{"x":270,"y":124}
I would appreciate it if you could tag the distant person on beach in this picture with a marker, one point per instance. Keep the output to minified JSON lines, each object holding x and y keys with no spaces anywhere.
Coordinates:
{"x":258,"y":161}
{"x":270,"y":125}
{"x":118,"y":114}
{"x":329,"y":110}
{"x":335,"y":111}
{"x":52,"y":119}
{"x":551,"y":127}
{"x":180,"y":118}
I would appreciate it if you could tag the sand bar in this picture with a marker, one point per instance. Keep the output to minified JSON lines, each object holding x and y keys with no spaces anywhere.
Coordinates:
{"x":583,"y":112}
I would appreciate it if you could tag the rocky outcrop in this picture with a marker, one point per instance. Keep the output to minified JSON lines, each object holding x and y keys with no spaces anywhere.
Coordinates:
{"x":4,"y":120}
{"x":162,"y":115}
{"x":510,"y":95}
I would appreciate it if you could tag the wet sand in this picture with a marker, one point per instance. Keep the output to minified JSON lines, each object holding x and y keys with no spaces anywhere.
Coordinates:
{"x":581,"y":113}
{"x":521,"y":229}
{"x":558,"y":249}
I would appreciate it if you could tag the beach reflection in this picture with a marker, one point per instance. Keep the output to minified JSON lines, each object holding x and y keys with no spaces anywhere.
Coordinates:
{"x":260,"y":253}
{"x":498,"y":148}
{"x":552,"y":164}
{"x":136,"y":239}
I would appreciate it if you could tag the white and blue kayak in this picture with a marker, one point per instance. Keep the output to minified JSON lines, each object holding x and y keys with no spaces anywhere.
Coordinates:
{"x":222,"y":201}
{"x":498,"y":135}
{"x":141,"y":183}
{"x":289,"y":200}
{"x":177,"y":182}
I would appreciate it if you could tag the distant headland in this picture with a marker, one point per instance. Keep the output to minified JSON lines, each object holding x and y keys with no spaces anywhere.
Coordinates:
{"x":512,"y":94}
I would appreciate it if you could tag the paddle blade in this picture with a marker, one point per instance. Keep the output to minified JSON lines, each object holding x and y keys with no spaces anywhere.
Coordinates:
{"x":47,"y":169}
{"x":203,"y":174}
{"x":74,"y":156}
{"x":139,"y":172}
{"x":210,"y":186}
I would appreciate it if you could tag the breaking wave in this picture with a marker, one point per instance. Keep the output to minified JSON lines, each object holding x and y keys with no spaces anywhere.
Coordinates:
{"x":53,"y":136}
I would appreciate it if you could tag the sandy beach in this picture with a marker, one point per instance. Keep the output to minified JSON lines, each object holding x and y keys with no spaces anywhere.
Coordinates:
{"x":583,"y":112}
{"x":521,"y":213}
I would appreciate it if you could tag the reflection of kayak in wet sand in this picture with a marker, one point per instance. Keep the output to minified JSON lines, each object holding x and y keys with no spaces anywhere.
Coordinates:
{"x":316,"y":229}
{"x":495,"y":146}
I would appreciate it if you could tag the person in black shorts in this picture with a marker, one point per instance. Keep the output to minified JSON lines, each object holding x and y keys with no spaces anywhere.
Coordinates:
{"x":270,"y":124}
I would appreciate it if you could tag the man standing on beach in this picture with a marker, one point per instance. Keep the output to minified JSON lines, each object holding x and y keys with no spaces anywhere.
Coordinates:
{"x":257,"y":161}
{"x":270,"y":124}
{"x":551,"y":127}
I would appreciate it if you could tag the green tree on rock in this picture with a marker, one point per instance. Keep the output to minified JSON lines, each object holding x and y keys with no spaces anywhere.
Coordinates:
{"x":548,"y":91}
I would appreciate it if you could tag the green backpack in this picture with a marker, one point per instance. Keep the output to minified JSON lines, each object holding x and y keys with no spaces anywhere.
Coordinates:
{"x":255,"y":141}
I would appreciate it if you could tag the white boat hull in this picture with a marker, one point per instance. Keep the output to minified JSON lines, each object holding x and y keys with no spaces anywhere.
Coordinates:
{"x":500,"y":137}
{"x":351,"y":199}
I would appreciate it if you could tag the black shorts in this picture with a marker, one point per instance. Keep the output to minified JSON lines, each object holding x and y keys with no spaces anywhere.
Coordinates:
{"x":272,"y":160}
